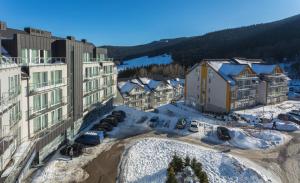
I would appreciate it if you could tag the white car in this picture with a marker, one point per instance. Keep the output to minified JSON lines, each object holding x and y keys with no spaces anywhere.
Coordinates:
{"x":193,"y":126}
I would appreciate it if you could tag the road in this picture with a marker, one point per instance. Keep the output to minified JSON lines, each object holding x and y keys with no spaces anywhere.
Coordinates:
{"x":284,"y":161}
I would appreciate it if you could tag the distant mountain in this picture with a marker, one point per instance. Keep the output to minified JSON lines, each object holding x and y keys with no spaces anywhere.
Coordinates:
{"x":271,"y":41}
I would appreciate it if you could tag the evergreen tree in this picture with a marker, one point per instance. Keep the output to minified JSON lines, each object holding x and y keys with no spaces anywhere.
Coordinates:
{"x":171,"y":175}
{"x":187,"y":161}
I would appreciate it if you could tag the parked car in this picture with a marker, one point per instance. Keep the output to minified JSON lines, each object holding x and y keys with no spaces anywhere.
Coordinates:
{"x":194,"y":126}
{"x":295,"y":112}
{"x":223,"y":133}
{"x":120,"y":112}
{"x":91,"y":138}
{"x":73,"y":150}
{"x":118,"y":116}
{"x":181,"y":123}
{"x":107,"y":126}
{"x":289,"y":117}
{"x":154,"y":119}
{"x":110,"y":120}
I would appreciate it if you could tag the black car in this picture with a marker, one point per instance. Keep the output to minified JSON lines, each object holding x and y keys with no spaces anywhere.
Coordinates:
{"x":181,"y":123}
{"x":107,"y":126}
{"x":223,"y":133}
{"x":91,"y":140}
{"x":74,"y":150}
{"x":122,"y":113}
{"x":154,"y":119}
{"x":118,"y":116}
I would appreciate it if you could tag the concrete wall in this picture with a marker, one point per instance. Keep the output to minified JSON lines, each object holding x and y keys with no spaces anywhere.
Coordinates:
{"x":192,"y":84}
{"x":216,"y":92}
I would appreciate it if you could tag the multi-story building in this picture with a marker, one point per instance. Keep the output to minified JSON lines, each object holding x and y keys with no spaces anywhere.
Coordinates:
{"x":134,"y":94}
{"x":161,"y":91}
{"x":224,"y":85}
{"x":10,"y":108}
{"x":273,"y":87}
{"x":178,"y":88}
{"x":49,"y":85}
{"x":148,"y":94}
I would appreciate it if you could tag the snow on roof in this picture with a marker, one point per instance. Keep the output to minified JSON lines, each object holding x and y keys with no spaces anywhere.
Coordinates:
{"x":263,"y":69}
{"x":247,"y":61}
{"x":128,"y":86}
{"x":145,"y":80}
{"x":227,"y":69}
{"x":176,"y":82}
{"x":232,"y":69}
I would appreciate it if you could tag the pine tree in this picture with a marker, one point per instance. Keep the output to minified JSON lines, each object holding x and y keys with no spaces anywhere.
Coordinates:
{"x":187,"y":161}
{"x":171,"y":175}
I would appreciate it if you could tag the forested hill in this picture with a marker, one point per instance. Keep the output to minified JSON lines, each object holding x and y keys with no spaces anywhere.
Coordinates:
{"x":271,"y":41}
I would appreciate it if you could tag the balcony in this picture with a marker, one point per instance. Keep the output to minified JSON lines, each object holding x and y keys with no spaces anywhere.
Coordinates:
{"x":42,"y":61}
{"x":91,"y":91}
{"x":91,"y":77}
{"x":55,"y":125}
{"x":110,"y":83}
{"x":47,"y":108}
{"x":14,"y":121}
{"x":35,"y":88}
{"x":9,"y":62}
{"x":9,"y":98}
{"x":101,"y":59}
{"x":278,"y":84}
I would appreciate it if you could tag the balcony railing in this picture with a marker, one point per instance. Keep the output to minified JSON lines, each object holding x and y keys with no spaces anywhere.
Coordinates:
{"x":101,"y":59}
{"x":277,"y":84}
{"x":7,"y":97}
{"x":35,"y":87}
{"x":55,"y":124}
{"x":110,"y":83}
{"x":92,"y":90}
{"x":92,"y":76}
{"x":15,"y":120}
{"x":6,"y":62}
{"x":34,"y":112}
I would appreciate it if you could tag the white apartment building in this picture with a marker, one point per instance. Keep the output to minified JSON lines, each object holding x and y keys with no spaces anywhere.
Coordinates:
{"x":147,"y":94}
{"x":48,"y":88}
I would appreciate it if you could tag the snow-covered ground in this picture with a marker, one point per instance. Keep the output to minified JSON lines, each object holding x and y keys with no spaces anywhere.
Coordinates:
{"x":145,"y":61}
{"x":246,"y":138}
{"x":62,"y":169}
{"x":147,"y":160}
{"x":269,"y":111}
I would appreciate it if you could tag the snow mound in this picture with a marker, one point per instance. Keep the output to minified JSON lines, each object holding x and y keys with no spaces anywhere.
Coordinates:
{"x":283,"y":126}
{"x":147,"y":161}
{"x":250,"y":138}
{"x":60,"y":171}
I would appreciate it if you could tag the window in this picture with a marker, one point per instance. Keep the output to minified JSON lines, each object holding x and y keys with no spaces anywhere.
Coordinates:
{"x":14,"y":84}
{"x":56,"y":116}
{"x":56,"y":77}
{"x":25,"y":55}
{"x":14,"y":114}
{"x":34,"y":56}
{"x":40,"y":123}
{"x":86,"y":57}
{"x":39,"y":79}
{"x":40,"y":102}
{"x":56,"y":96}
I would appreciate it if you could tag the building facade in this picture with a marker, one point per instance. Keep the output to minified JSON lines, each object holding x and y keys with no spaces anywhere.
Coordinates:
{"x":148,"y":94}
{"x":50,"y":85}
{"x":223,"y":85}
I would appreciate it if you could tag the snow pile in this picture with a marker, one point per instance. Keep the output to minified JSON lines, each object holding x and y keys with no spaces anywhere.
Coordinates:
{"x":269,"y":111}
{"x":145,"y":61}
{"x":250,"y":138}
{"x":157,"y":153}
{"x":61,"y":170}
{"x":283,"y":126}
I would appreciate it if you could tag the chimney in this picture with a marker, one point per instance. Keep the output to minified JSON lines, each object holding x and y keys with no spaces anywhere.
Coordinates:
{"x":72,"y":38}
{"x":3,"y":25}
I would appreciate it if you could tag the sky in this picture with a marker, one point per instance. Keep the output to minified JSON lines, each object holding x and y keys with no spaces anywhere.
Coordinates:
{"x":132,"y":22}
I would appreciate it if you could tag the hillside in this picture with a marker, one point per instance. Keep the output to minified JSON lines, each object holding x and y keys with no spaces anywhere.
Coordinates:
{"x":271,"y":41}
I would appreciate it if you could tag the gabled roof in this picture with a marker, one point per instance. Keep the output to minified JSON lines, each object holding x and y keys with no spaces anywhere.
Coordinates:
{"x":263,"y":69}
{"x":247,"y":61}
{"x":227,"y":69}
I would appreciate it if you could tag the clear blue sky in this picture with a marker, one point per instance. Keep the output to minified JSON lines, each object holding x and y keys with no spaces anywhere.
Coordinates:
{"x":131,"y":22}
